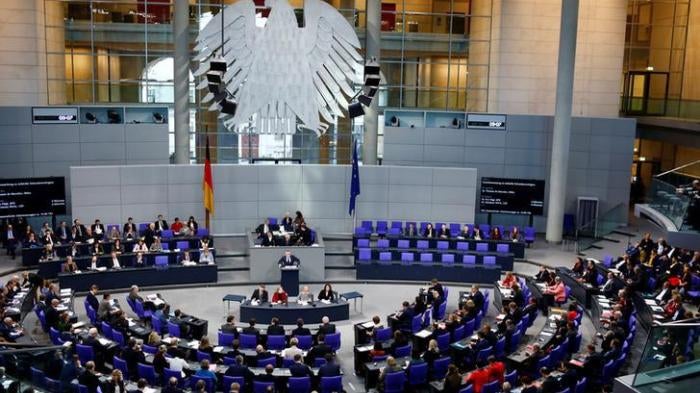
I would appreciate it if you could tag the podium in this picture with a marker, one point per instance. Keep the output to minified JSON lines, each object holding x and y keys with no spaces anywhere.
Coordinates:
{"x":290,"y":279}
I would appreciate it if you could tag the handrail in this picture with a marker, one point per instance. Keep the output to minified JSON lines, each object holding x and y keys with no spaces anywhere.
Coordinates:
{"x":675,"y":169}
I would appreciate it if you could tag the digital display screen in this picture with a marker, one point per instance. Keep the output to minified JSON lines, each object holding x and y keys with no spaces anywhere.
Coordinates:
{"x":54,"y":115}
{"x":512,"y":196}
{"x":486,"y":121}
{"x":39,"y":196}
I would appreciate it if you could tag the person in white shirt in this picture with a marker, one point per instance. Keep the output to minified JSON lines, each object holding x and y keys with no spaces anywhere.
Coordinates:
{"x":206,"y":257}
{"x":157,"y":246}
{"x":293,"y":350}
{"x":305,"y":295}
{"x":93,"y":263}
{"x":140,"y":246}
{"x":177,"y":364}
{"x":186,"y":261}
{"x":115,"y":261}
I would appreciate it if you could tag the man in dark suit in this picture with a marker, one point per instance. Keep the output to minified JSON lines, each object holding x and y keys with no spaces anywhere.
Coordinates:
{"x":436,"y":286}
{"x":129,"y":226}
{"x":300,"y":329}
{"x":238,"y":369}
{"x":444,"y":232}
{"x":299,"y":369}
{"x":251,"y":329}
{"x":265,"y":227}
{"x":160,"y":224}
{"x":89,"y":378}
{"x":98,"y":230}
{"x":9,"y":238}
{"x":149,"y":235}
{"x":171,"y":386}
{"x":477,"y":297}
{"x":62,"y":233}
{"x":410,"y":230}
{"x":174,"y":350}
{"x":260,"y":294}
{"x":405,"y":316}
{"x":52,"y":314}
{"x":230,"y":326}
{"x":288,"y":260}
{"x":593,"y":365}
{"x":268,"y":240}
{"x":326,"y":327}
{"x":319,"y":350}
{"x":275,"y":329}
{"x":80,"y":231}
{"x":330,"y":369}
{"x":267,"y":377}
{"x":549,"y":383}
{"x":261,"y":353}
{"x":91,"y":298}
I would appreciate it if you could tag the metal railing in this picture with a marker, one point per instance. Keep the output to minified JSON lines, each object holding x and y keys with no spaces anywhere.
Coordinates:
{"x":595,"y":230}
{"x":668,"y":107}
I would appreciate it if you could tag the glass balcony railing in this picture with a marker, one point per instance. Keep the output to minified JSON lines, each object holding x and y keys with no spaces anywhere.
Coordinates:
{"x":664,"y":198}
{"x":675,"y":108}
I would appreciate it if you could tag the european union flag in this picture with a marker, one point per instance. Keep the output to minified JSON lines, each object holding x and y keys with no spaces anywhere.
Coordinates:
{"x":355,"y":181}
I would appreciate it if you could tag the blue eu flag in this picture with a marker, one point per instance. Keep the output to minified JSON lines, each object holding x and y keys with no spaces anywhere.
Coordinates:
{"x":355,"y":181}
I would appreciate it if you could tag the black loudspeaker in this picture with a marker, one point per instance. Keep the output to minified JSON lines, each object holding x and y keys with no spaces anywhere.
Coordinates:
{"x":215,"y":77}
{"x":372,"y":80}
{"x":355,"y":110}
{"x":158,"y":118}
{"x":114,"y":117}
{"x":92,"y":119}
{"x":371,"y":70}
{"x":370,"y":91}
{"x":365,"y":100}
{"x":228,"y":107}
{"x":217,"y":65}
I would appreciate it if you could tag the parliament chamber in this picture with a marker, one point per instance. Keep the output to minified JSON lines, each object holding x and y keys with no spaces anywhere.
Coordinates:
{"x":287,"y":196}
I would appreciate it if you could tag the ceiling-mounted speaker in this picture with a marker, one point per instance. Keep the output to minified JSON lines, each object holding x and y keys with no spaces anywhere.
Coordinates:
{"x":355,"y":110}
{"x":228,"y":106}
{"x":365,"y":100}
{"x":372,"y":80}
{"x":217,"y":65}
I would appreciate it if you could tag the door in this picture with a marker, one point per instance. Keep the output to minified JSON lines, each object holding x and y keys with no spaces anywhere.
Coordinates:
{"x":645,"y":93}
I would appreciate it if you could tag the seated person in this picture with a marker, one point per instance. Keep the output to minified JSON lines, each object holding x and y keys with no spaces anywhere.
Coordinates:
{"x":206,"y":257}
{"x":192,"y":226}
{"x":139,"y":260}
{"x":94,"y":264}
{"x":464,"y":233}
{"x":275,"y":329}
{"x":410,"y":230}
{"x":204,"y":371}
{"x":444,"y":232}
{"x":287,"y":224}
{"x":514,"y":235}
{"x":476,"y":233}
{"x":327,"y":294}
{"x":579,"y":266}
{"x":557,"y":291}
{"x":303,"y":235}
{"x":264,"y":228}
{"x":117,"y":246}
{"x":260,"y":294}
{"x":429,"y":231}
{"x":70,"y":266}
{"x":114,"y":261}
{"x":280,"y":296}
{"x":326,"y":327}
{"x":98,"y":230}
{"x":305,"y":295}
{"x":177,"y":226}
{"x":509,"y":280}
{"x":140,"y":246}
{"x":96,"y":249}
{"x":186,"y":260}
{"x":288,"y":260}
{"x":268,"y":240}
{"x":157,"y":246}
{"x":496,"y":234}
{"x":300,"y":329}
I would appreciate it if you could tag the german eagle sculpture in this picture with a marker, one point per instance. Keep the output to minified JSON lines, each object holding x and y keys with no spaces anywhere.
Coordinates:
{"x":282,"y":76}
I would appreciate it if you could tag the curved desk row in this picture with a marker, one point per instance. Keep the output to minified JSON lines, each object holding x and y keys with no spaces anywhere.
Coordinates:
{"x":147,"y":276}
{"x":32,"y":255}
{"x":50,"y":269}
{"x":288,"y":314}
{"x":516,"y":248}
{"x":424,"y":272}
{"x":504,"y":260}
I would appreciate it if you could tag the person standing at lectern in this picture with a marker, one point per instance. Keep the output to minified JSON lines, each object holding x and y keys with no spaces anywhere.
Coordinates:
{"x":260,"y":294}
{"x":288,"y":260}
{"x":280,"y":296}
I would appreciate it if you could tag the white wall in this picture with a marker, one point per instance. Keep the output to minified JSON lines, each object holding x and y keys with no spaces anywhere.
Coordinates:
{"x":245,"y":194}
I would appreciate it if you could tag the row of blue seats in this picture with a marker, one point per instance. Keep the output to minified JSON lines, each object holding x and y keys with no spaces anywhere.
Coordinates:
{"x":440,"y":244}
{"x":382,"y":227}
{"x":386,"y":257}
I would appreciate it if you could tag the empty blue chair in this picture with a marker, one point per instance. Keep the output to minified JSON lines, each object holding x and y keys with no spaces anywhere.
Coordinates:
{"x":500,"y":348}
{"x":161,"y":260}
{"x":55,"y":336}
{"x":515,"y":341}
{"x":120,"y":364}
{"x":166,"y":234}
{"x":576,"y":345}
{"x":403,"y":351}
{"x":443,"y":245}
{"x":264,"y":362}
{"x":458,"y":333}
{"x":364,"y":255}
{"x":174,"y":329}
{"x":468,"y":389}
{"x":608,"y":261}
{"x":396,"y":225}
{"x":482,"y":247}
{"x":443,"y":341}
{"x":491,"y":387}
{"x":203,"y":355}
{"x":485,"y":230}
{"x":544,"y":362}
{"x":276,"y":343}
{"x":385,"y":258}
{"x":448,"y":259}
{"x":166,"y":246}
{"x":106,"y":330}
{"x":202,"y":232}
{"x":503,"y":248}
{"x":416,"y":323}
{"x":229,"y":361}
{"x":331,"y":384}
{"x":52,"y":385}
{"x":462,"y":246}
{"x":608,"y":371}
{"x":383,"y":243}
{"x":426,"y":257}
{"x":139,"y":309}
{"x":469,"y":259}
{"x":143,"y":226}
{"x":37,"y":377}
{"x":248,"y":341}
{"x":483,"y":355}
{"x":486,"y":306}
{"x":469,"y":328}
{"x":512,"y":377}
{"x":82,"y":388}
{"x":440,"y":312}
{"x":394,"y":382}
{"x":422,"y":244}
{"x":272,"y":220}
{"x":333,"y":341}
{"x":182,"y":246}
{"x":305,"y":342}
{"x":454,"y":228}
{"x":581,"y":385}
{"x":383,"y":334}
{"x":299,"y":385}
{"x":118,"y":337}
{"x":424,"y":225}
{"x":150,"y":349}
{"x":261,"y":387}
{"x":157,"y":325}
{"x":367,"y":225}
{"x":529,"y":235}
{"x":382,"y":227}
{"x":418,"y":374}
{"x":403,"y":244}
{"x":226,"y":339}
{"x":85,"y":353}
{"x":489,"y":260}
{"x":407,"y":257}
{"x":147,"y":372}
{"x":363,"y":243}
{"x":440,"y":367}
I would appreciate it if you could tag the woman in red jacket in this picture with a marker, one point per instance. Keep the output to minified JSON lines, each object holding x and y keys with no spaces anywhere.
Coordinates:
{"x":280,"y":296}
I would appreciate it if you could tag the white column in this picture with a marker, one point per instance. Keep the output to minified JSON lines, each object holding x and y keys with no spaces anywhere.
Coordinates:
{"x":562,"y":120}
{"x":372,"y":50}
{"x":181,"y":80}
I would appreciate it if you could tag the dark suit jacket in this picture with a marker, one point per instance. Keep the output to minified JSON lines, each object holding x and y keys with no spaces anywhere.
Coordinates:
{"x":260,"y":230}
{"x":259,"y":296}
{"x":163,"y":224}
{"x":170,"y":389}
{"x":445,"y":233}
{"x":292,"y":261}
{"x":329,"y":370}
{"x":127,"y":226}
{"x":318,"y":351}
{"x":268,"y":241}
{"x":300,"y":370}
{"x":478,"y":299}
{"x":275,"y":330}
{"x":90,"y":380}
{"x":239,"y":370}
{"x":326,"y":329}
{"x":93,"y":301}
{"x":549,"y":385}
{"x":95,"y":226}
{"x":110,"y":387}
{"x":301,"y":331}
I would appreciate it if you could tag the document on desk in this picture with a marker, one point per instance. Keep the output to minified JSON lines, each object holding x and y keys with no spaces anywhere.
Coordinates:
{"x":218,"y":349}
{"x":657,"y":309}
{"x":78,"y":325}
{"x":368,"y":325}
{"x":193,"y":344}
{"x":424,"y":333}
{"x":650,"y":302}
{"x":104,"y":342}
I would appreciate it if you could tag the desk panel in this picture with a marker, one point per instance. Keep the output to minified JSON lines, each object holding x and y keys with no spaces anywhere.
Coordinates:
{"x":426,"y":272}
{"x":289,"y":314}
{"x":148,"y":276}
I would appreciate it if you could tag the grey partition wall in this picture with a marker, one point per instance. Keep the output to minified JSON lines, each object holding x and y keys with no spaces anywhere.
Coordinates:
{"x":599,"y":163}
{"x":37,"y":150}
{"x":244,"y":194}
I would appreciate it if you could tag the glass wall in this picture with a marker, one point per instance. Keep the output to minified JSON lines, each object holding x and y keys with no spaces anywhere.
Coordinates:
{"x":434,"y":55}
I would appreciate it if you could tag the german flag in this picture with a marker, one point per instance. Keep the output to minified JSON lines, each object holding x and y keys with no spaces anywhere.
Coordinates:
{"x":208,"y":184}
